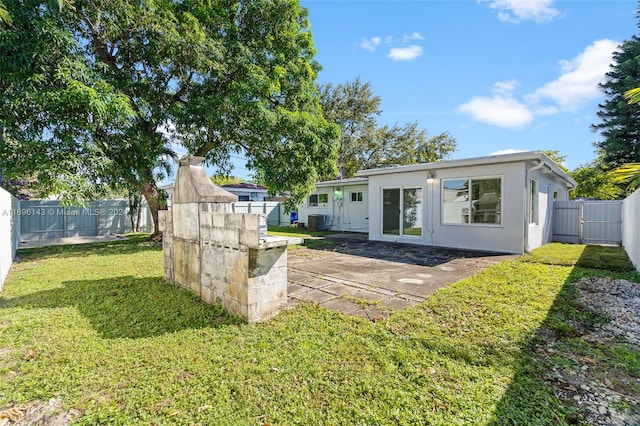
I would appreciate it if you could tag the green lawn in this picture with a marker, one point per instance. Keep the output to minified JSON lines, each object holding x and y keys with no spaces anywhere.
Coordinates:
{"x":312,"y":239}
{"x":96,"y":326}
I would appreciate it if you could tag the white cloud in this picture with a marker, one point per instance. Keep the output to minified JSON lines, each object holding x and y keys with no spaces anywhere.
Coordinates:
{"x":499,"y":110}
{"x":577,"y":85}
{"x":370,"y":44}
{"x":505,"y":87}
{"x":413,"y":36}
{"x":515,"y":11}
{"x":408,"y":53}
{"x":580,"y":77}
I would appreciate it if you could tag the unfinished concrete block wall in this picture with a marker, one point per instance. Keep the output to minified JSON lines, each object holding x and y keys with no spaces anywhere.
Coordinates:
{"x":247,"y":272}
{"x":222,"y":255}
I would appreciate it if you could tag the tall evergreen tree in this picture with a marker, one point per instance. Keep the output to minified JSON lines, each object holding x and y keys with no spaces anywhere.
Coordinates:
{"x":619,"y":121}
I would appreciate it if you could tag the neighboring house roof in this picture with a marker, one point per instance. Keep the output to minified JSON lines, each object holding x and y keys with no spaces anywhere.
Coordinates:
{"x":244,"y":185}
{"x":347,"y":181}
{"x":477,"y":161}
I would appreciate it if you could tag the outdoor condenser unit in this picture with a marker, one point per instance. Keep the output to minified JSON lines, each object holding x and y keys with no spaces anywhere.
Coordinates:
{"x":317,"y":222}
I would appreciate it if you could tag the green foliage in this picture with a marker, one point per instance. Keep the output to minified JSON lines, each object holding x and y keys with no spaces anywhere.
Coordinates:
{"x":51,"y":105}
{"x":595,"y":180}
{"x":628,"y":174}
{"x":558,"y":158}
{"x":226,"y":180}
{"x":619,"y":120}
{"x":363,"y":144}
{"x":632,"y":95}
{"x":98,"y":92}
{"x":5,"y":18}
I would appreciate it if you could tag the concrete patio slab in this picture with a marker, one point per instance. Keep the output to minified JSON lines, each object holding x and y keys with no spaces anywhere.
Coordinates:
{"x":373,"y":279}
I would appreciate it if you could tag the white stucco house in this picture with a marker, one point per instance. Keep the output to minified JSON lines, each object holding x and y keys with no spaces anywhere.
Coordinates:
{"x":342,"y":204}
{"x":501,"y":203}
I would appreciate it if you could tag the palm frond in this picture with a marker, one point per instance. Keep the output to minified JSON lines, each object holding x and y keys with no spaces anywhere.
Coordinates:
{"x":629,"y":174}
{"x":5,"y":17}
{"x":632,"y":95}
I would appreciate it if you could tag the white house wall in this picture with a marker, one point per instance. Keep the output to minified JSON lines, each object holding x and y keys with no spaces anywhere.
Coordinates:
{"x":343,"y":214}
{"x":541,"y":232}
{"x":631,"y":227}
{"x":9,"y":232}
{"x":506,"y":237}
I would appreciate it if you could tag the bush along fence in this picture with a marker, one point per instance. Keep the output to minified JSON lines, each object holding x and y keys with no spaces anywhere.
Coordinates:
{"x":9,"y":232}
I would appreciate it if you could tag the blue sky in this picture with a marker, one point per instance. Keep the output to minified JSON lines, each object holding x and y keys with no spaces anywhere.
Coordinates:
{"x":498,"y":75}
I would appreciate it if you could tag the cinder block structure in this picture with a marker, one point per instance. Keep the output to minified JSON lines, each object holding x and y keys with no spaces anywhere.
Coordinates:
{"x":219,"y":254}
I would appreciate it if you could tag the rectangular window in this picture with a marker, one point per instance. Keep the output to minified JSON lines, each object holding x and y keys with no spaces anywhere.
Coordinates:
{"x":405,"y":204}
{"x":412,"y":212}
{"x":318,"y":200}
{"x":472,"y":201}
{"x":356,"y":197}
{"x":533,"y":211}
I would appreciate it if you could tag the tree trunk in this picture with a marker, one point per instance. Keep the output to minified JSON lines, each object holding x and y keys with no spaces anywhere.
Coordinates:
{"x":156,"y":202}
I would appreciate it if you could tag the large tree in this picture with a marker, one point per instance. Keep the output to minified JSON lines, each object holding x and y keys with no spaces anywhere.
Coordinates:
{"x":364,"y":144}
{"x":51,"y":104}
{"x":218,"y":77}
{"x":595,"y":180}
{"x":619,"y":123}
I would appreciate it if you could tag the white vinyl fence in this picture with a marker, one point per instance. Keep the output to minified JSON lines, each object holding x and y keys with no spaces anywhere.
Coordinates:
{"x":631,"y":227}
{"x":587,"y":222}
{"x":273,"y":209}
{"x":46,"y":219}
{"x":9,"y":233}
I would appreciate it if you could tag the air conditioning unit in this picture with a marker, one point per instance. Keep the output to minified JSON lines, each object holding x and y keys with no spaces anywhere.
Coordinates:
{"x":318,"y":222}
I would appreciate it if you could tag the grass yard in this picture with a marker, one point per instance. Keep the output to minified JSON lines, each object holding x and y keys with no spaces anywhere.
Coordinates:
{"x":97,"y":327}
{"x":313,"y":239}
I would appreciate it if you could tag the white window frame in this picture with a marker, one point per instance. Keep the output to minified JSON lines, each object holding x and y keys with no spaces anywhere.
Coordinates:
{"x":318,"y":204}
{"x":358,"y":201}
{"x":401,"y":224}
{"x":534,"y":202}
{"x":469,"y":201}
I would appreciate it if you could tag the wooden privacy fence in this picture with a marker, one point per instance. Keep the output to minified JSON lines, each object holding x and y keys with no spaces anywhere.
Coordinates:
{"x":587,"y":222}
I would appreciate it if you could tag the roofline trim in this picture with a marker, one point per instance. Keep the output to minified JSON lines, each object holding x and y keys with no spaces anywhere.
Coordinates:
{"x":476,"y":161}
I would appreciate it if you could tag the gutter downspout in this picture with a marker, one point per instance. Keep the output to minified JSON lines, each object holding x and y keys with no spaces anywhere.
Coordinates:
{"x":527,"y":202}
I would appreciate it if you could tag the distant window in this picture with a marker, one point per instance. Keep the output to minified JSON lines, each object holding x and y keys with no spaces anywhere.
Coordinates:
{"x":472,"y":201}
{"x":533,"y":211}
{"x":318,"y":200}
{"x":243,"y":198}
{"x":356,"y":197}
